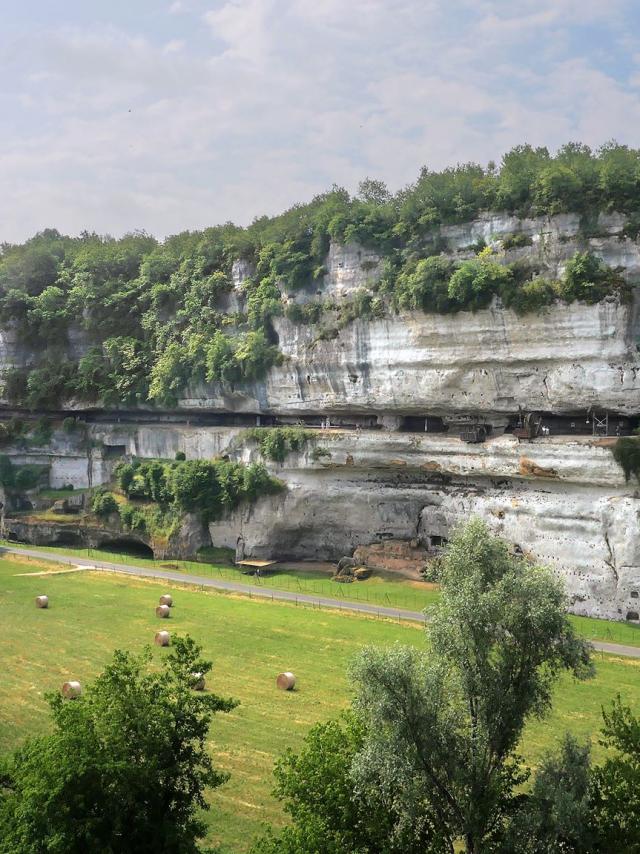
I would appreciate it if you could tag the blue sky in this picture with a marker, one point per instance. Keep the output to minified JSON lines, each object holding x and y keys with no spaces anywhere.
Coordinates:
{"x":164,"y":115}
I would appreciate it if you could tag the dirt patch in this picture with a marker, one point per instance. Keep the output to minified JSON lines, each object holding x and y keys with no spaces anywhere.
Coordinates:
{"x":33,"y":563}
{"x":403,"y":557}
{"x":530,"y":469}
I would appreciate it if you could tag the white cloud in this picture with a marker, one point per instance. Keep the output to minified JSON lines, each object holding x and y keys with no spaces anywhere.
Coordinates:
{"x":271,"y":101}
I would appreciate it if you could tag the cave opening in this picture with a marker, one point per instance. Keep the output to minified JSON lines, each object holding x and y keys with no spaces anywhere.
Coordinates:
{"x":68,"y":538}
{"x":127,"y":546}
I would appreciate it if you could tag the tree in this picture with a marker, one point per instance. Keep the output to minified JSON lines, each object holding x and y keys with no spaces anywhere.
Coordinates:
{"x":555,"y":815}
{"x":615,"y":801}
{"x":329,"y":816}
{"x":476,"y":281}
{"x":373,"y":191}
{"x":444,"y":727}
{"x":104,"y":503}
{"x":125,"y":769}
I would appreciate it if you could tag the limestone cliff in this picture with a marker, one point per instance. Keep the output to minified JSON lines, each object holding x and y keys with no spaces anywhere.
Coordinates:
{"x":561,"y":498}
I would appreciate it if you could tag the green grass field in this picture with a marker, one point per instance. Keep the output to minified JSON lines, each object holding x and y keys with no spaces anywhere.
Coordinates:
{"x":250,"y":642}
{"x":384,"y":589}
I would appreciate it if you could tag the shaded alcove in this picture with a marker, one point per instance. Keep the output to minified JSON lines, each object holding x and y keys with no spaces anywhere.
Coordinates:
{"x":68,"y":538}
{"x":128,"y":546}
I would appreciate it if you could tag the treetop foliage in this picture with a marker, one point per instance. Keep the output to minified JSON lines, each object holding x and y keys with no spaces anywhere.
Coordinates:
{"x":433,"y":750}
{"x":151,"y":319}
{"x":207,"y":487}
{"x":125,"y":768}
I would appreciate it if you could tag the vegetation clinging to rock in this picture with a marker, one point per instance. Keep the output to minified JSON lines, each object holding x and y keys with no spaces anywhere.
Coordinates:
{"x":276,"y":442}
{"x":206,"y":487}
{"x":157,"y":318}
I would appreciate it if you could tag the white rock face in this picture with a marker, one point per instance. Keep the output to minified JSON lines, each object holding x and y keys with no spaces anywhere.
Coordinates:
{"x":563,"y":359}
{"x":563,"y":501}
{"x":350,"y":268}
{"x":580,"y":518}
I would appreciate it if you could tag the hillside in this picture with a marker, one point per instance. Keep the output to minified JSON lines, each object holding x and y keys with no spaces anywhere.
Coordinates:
{"x":396,"y":363}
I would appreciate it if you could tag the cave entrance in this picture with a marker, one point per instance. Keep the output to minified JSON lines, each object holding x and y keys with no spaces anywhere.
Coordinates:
{"x":127,"y":546}
{"x":68,"y":538}
{"x":422,"y":424}
{"x":437,"y":543}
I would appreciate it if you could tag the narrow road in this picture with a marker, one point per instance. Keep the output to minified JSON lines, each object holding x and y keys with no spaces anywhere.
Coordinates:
{"x":264,"y":592}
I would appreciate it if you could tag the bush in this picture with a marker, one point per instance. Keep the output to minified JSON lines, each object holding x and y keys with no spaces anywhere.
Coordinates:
{"x":319,"y":453}
{"x":276,"y":442}
{"x":476,"y":282}
{"x":425,"y":285}
{"x":626,"y":453}
{"x":587,"y":278}
{"x":132,"y":518}
{"x":103,"y":503}
{"x":7,"y":472}
{"x":516,"y":241}
{"x":530,"y":296}
{"x":42,"y":432}
{"x":180,"y":456}
{"x":28,"y":477}
{"x":69,"y":424}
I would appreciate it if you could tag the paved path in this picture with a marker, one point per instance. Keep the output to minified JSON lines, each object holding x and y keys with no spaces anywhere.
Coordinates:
{"x":263,"y":592}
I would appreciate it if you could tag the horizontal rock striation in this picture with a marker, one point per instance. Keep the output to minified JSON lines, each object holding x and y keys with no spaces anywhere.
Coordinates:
{"x":561,"y":500}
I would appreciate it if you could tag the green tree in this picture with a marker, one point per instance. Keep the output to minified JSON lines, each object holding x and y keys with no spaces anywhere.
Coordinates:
{"x":426,"y":287}
{"x":126,"y":767}
{"x":589,"y":279}
{"x":444,"y":728}
{"x":476,"y":282}
{"x":103,"y":503}
{"x":555,"y":816}
{"x":7,"y":472}
{"x":328,"y":814}
{"x":615,"y":787}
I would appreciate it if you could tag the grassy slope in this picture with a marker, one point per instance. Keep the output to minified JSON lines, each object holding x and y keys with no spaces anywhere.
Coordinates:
{"x":381,"y":588}
{"x":250,"y":642}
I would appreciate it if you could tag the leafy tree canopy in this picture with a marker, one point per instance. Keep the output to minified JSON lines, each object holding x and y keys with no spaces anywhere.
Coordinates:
{"x":155,"y":319}
{"x":125,"y":768}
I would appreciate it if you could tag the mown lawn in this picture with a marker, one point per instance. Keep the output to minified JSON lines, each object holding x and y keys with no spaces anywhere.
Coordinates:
{"x":384,"y":589}
{"x":250,"y":642}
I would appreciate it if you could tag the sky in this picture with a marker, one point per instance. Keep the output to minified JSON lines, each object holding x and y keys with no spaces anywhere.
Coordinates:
{"x":166,"y":115}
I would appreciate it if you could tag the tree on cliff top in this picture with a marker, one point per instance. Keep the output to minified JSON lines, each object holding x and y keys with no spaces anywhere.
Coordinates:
{"x":440,"y":729}
{"x":125,"y":768}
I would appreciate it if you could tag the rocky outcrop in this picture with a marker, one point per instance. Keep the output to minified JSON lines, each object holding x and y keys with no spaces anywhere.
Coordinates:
{"x":561,"y":500}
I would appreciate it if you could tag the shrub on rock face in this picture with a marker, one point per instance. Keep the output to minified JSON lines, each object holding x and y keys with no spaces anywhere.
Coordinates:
{"x":104,"y":503}
{"x":27,"y":477}
{"x":476,"y":282}
{"x":626,"y":453}
{"x":589,"y":279}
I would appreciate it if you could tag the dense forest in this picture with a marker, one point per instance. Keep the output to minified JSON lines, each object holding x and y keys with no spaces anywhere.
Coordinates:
{"x":134,"y":321}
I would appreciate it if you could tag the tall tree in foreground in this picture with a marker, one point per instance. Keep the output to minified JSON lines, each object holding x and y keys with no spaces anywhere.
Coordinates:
{"x":443,"y":726}
{"x":125,"y":768}
{"x":615,"y":786}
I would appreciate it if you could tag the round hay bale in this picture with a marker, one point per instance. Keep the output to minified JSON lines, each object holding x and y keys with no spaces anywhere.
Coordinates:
{"x":42,"y":601}
{"x":198,"y":682}
{"x":286,"y":681}
{"x":166,"y":599}
{"x":71,"y":690}
{"x":162,"y":638}
{"x":162,"y":611}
